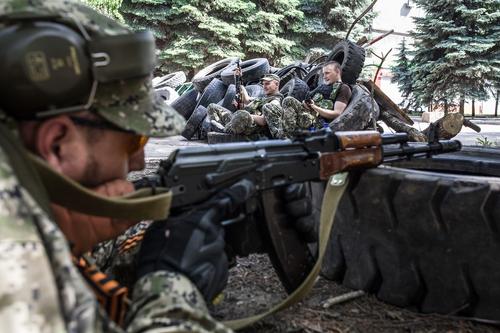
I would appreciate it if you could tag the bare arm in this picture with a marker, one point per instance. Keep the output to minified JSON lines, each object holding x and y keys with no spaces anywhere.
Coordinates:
{"x":259,"y":120}
{"x":338,"y":108}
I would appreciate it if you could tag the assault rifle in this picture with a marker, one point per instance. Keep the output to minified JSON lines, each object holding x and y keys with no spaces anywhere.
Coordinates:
{"x":237,"y":85}
{"x":194,"y":174}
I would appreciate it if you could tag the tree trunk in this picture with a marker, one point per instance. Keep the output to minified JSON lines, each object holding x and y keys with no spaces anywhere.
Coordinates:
{"x":445,"y":107}
{"x":399,"y":126}
{"x":473,"y":108}
{"x":462,"y":105}
{"x":496,"y":103}
{"x":448,"y":126}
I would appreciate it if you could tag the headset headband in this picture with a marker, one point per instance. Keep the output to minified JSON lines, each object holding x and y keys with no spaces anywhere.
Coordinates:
{"x":108,"y":58}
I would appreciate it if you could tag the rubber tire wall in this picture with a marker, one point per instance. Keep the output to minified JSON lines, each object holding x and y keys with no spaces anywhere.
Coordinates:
{"x":186,"y":103}
{"x":424,"y":240}
{"x":351,"y":58}
{"x":206,"y":75}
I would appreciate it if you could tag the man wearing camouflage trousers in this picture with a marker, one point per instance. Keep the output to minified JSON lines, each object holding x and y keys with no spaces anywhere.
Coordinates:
{"x":258,"y":115}
{"x":325,"y":103}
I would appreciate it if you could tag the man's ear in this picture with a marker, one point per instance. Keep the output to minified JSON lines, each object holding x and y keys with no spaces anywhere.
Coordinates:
{"x":57,"y":141}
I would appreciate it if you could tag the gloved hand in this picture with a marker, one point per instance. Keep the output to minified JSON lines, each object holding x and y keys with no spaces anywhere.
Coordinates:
{"x":299,"y":207}
{"x":192,"y":243}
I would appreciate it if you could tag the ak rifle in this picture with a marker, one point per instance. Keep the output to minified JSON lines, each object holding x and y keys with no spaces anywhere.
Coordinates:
{"x":194,"y":174}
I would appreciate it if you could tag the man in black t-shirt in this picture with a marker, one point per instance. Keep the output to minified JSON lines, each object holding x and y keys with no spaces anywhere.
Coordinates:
{"x":323,"y":104}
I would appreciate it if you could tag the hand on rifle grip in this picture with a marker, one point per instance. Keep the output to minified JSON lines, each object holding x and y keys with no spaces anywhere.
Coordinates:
{"x":192,"y":242}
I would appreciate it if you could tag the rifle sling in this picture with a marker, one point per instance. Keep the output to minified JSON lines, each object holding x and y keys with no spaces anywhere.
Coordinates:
{"x":334,"y":190}
{"x":139,"y":205}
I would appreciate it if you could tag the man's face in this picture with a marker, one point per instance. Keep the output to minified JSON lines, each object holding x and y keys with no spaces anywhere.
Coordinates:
{"x":110,"y":157}
{"x":90,"y":156}
{"x":331,"y":74}
{"x":271,"y":87}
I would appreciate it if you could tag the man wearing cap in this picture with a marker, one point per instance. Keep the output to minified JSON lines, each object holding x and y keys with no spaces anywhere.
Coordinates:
{"x":76,"y":108}
{"x":259,"y":115}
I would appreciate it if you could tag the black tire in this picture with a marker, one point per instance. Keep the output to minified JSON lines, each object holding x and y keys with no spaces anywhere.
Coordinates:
{"x":314,"y":78}
{"x":255,"y":90}
{"x":213,"y":93}
{"x":216,"y":137}
{"x":186,"y":103}
{"x":172,"y":80}
{"x":351,"y":58}
{"x":361,"y":112}
{"x":228,"y":99}
{"x":251,"y":71}
{"x":205,"y":128}
{"x":425,"y":240}
{"x":207,"y":74}
{"x":295,"y":88}
{"x":296,"y":70}
{"x":194,"y":122}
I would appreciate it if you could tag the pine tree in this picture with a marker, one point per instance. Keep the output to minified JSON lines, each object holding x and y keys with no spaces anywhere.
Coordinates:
{"x":327,"y":21}
{"x":457,"y":50}
{"x":107,"y":7}
{"x":193,"y":33}
{"x":402,"y":75}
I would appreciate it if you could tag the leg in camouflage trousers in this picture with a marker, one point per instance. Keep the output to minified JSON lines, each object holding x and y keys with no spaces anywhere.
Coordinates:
{"x":219,"y":113}
{"x":295,"y":116}
{"x":242,"y":123}
{"x":274,"y":118}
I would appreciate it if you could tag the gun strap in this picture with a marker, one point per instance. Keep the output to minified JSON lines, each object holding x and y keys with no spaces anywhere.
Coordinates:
{"x":139,"y":205}
{"x":334,"y":190}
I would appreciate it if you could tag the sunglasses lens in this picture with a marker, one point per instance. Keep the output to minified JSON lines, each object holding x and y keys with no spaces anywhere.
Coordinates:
{"x":137,"y":143}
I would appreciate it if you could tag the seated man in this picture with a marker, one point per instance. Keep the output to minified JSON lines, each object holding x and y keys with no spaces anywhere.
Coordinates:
{"x":258,"y":115}
{"x":325,"y":103}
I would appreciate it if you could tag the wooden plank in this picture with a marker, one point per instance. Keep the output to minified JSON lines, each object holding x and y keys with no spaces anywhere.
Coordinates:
{"x":386,"y":103}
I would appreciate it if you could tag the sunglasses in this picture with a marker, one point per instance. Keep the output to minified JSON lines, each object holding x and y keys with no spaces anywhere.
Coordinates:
{"x":136,"y":143}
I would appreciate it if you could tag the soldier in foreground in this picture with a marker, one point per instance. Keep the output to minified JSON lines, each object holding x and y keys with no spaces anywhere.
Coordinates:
{"x":69,"y":94}
{"x":326,"y":102}
{"x":258,"y":115}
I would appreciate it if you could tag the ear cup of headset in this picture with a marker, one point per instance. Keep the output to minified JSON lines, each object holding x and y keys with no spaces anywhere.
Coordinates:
{"x":43,"y":65}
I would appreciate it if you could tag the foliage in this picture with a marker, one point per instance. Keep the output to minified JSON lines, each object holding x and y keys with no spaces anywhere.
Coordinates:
{"x":457,"y":54}
{"x":403,"y":76}
{"x":485,"y":142}
{"x":193,"y":33}
{"x":107,"y":7}
{"x":327,"y":21}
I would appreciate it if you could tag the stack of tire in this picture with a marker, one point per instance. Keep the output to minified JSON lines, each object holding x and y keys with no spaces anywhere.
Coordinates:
{"x":215,"y":83}
{"x":165,"y":85}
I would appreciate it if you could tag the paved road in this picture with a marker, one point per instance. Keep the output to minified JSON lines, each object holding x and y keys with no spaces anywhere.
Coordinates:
{"x":489,"y":129}
{"x":161,"y":148}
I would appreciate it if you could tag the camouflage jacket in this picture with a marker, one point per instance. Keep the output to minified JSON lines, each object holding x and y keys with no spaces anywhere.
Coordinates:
{"x":255,"y":106}
{"x":325,"y":95}
{"x":42,"y":291}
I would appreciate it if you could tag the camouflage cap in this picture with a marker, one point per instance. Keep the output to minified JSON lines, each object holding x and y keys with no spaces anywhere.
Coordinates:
{"x":270,"y":77}
{"x":131,"y":104}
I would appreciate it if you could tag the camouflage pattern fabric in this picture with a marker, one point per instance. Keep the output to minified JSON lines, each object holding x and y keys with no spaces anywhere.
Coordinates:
{"x":219,"y":113}
{"x":325,"y":95}
{"x":296,"y":117}
{"x":274,"y":118}
{"x":132,"y":104}
{"x":46,"y":293}
{"x":242,"y":123}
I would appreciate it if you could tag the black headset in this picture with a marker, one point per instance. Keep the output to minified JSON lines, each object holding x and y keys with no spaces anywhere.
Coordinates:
{"x":48,"y":67}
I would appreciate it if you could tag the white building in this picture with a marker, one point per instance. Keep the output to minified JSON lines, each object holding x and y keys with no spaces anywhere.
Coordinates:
{"x":398,"y":15}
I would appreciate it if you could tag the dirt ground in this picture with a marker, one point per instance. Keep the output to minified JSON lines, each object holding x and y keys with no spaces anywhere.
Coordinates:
{"x":253,"y":287}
